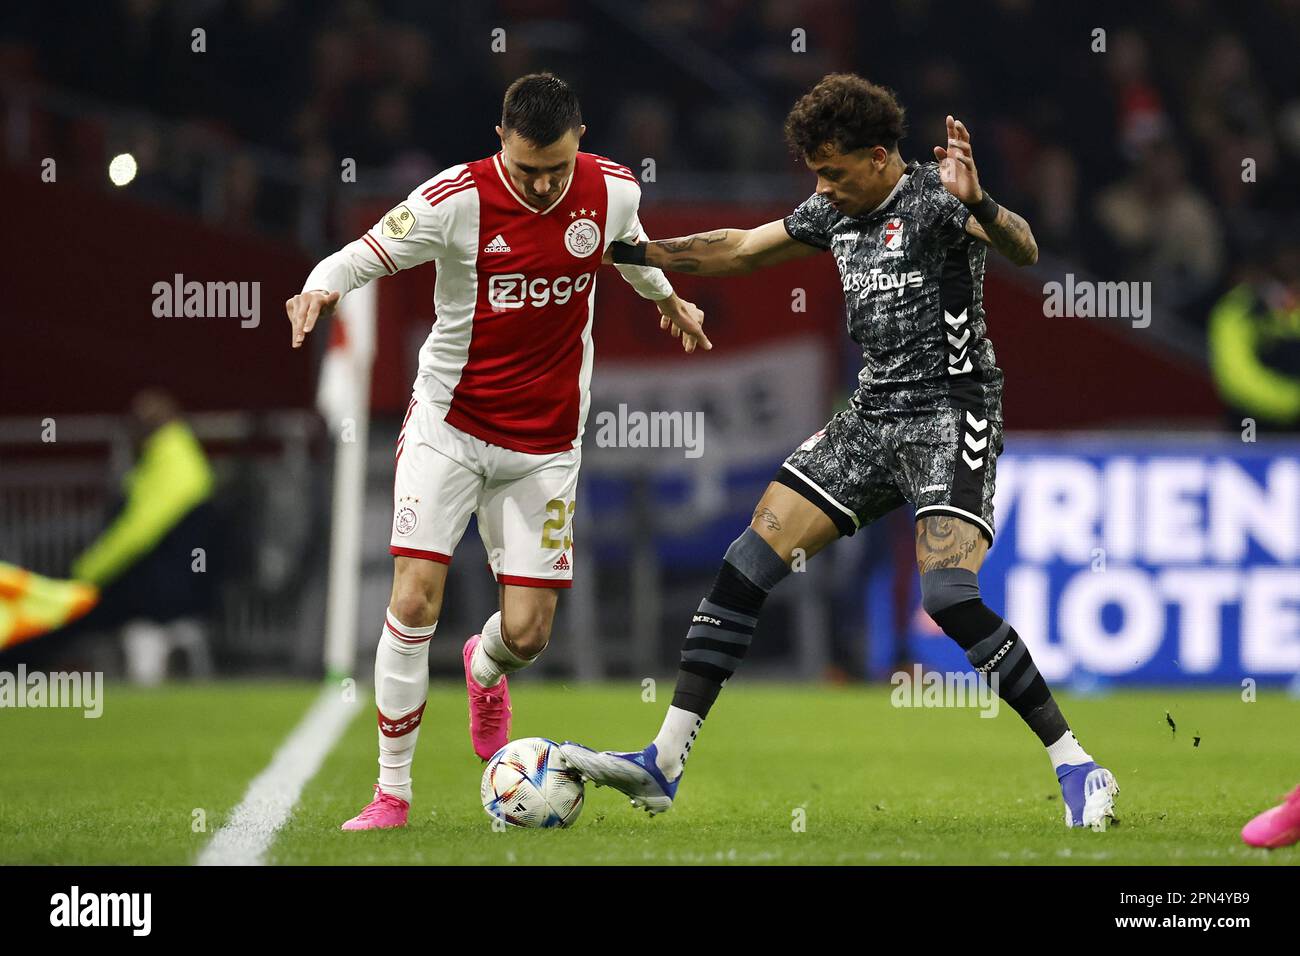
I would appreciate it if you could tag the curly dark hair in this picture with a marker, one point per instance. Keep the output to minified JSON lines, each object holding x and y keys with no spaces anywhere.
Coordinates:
{"x":846,"y":111}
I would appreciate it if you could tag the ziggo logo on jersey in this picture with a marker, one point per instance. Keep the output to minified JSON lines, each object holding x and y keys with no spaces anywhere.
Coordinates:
{"x":516,"y":290}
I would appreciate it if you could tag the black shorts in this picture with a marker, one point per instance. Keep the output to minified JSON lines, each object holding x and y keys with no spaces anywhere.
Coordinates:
{"x":866,"y":462}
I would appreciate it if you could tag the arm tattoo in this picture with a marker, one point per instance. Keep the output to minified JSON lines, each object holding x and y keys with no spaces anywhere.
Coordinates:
{"x":683,"y":264}
{"x":683,"y":255}
{"x":943,"y":541}
{"x":689,"y":242}
{"x":769,"y":519}
{"x":1010,"y":235}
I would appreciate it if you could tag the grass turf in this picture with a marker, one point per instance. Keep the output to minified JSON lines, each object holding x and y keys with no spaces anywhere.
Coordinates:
{"x":873,"y":784}
{"x":125,"y":787}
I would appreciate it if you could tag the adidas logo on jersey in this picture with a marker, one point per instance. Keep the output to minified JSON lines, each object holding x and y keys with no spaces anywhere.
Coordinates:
{"x":497,"y":245}
{"x":562,"y":564}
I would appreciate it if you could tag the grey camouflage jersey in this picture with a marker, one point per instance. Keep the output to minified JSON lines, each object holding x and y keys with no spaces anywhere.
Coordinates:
{"x":913,"y":283}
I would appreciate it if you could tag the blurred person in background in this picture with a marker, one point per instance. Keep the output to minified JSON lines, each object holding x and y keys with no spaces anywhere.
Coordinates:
{"x":1140,"y":116}
{"x":1163,"y":229}
{"x":1254,"y":343}
{"x":150,"y":563}
{"x":241,"y":191}
{"x":1053,"y":190}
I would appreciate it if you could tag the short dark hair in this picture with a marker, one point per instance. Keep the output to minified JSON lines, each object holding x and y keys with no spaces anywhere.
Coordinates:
{"x":541,"y":108}
{"x":848,"y":112}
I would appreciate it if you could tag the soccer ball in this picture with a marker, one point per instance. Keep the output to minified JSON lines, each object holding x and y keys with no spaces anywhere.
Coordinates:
{"x":526,"y":784}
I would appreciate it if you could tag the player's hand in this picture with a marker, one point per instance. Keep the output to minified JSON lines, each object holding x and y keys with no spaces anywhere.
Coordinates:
{"x":685,"y":321}
{"x":956,"y":164}
{"x":305,"y":308}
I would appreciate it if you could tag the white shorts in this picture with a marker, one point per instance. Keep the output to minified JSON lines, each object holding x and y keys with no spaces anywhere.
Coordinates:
{"x":524,"y":502}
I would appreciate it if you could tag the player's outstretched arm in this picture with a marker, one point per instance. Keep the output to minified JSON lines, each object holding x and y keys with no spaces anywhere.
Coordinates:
{"x":1001,"y":228}
{"x":722,"y":252}
{"x":410,"y":234}
{"x":306,"y":308}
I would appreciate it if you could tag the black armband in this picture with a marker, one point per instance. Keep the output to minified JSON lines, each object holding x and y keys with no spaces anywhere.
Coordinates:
{"x":985,"y":211}
{"x":627,"y":253}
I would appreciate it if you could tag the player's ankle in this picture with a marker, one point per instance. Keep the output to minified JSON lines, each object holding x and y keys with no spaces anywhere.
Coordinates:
{"x":398,"y":791}
{"x":670,"y":767}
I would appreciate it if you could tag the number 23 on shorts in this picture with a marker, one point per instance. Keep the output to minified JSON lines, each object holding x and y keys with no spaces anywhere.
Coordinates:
{"x":560,"y":517}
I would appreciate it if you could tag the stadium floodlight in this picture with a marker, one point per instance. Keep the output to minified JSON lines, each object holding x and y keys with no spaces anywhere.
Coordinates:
{"x":122,"y":169}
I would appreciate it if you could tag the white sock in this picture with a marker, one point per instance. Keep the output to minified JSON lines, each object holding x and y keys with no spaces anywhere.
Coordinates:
{"x":674,"y":742}
{"x":492,"y":659}
{"x":401,"y":689}
{"x":1067,"y":750}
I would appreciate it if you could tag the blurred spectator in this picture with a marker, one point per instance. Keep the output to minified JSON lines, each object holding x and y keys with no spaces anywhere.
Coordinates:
{"x":1254,"y":341}
{"x":1054,"y":199}
{"x":240,"y":191}
{"x":646,"y":126}
{"x":1163,"y":228}
{"x":405,"y":88}
{"x":143,"y":558}
{"x":156,"y":560}
{"x":1140,"y":113}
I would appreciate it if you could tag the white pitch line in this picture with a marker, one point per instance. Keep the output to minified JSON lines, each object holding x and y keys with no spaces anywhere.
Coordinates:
{"x":273,"y":793}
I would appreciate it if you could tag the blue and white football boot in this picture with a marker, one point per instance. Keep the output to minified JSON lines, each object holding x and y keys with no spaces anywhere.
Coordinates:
{"x":636,"y":774}
{"x":1088,"y":792}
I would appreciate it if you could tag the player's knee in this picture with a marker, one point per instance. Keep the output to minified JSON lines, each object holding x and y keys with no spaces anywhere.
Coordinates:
{"x":754,"y":556}
{"x":415,"y":606}
{"x":946,"y":588}
{"x":416,"y":599}
{"x":526,"y":633}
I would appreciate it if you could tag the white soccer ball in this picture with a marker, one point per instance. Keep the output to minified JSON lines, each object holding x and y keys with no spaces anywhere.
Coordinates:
{"x":527,"y":784}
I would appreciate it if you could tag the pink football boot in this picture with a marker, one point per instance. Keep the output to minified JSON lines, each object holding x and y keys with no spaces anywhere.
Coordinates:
{"x":1277,"y":827}
{"x":384,"y":812}
{"x":489,"y":708}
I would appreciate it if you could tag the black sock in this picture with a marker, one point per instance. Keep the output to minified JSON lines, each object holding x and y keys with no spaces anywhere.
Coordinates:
{"x":994,"y":648}
{"x":723,"y":626}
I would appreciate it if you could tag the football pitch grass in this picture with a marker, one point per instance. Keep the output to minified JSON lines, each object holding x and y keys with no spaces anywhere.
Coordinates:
{"x":782,"y":774}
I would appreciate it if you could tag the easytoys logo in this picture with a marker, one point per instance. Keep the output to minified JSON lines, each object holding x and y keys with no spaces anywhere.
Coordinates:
{"x":515,"y":290}
{"x":877,"y":280}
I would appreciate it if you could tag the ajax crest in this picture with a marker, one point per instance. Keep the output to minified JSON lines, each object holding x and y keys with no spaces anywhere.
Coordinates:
{"x":406,"y":521}
{"x":582,"y":238}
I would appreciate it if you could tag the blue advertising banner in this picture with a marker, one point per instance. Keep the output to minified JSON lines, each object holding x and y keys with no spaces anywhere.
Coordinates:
{"x":1142,"y":560}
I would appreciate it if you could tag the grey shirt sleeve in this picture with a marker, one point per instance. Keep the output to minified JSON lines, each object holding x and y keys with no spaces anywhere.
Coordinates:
{"x":812,"y":221}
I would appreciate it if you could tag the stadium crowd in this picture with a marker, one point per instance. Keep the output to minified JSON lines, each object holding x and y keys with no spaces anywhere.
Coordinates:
{"x":1126,"y":154}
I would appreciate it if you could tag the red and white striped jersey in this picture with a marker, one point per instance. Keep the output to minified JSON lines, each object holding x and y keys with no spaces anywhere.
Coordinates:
{"x":510,"y":355}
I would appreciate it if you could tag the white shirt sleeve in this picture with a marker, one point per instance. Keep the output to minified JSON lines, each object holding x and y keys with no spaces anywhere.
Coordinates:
{"x":410,"y":234}
{"x":624,"y":200}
